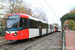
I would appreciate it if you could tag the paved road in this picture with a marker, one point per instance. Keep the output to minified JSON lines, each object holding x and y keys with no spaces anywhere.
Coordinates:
{"x":70,"y":40}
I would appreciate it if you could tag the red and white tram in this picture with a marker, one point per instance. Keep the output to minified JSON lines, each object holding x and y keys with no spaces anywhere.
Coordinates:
{"x":21,"y":26}
{"x":56,"y":29}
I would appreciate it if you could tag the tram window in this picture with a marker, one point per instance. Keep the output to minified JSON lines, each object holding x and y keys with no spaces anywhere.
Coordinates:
{"x":40,"y":24}
{"x":51,"y":27}
{"x":37,"y":24}
{"x":43,"y":25}
{"x":22,"y":23}
{"x":46,"y":25}
{"x":34,"y":24}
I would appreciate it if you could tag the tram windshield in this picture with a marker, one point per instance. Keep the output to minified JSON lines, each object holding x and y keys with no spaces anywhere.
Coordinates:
{"x":12,"y":23}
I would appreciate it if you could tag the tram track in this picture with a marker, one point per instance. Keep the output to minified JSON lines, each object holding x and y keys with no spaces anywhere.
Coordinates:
{"x":43,"y":45}
{"x":6,"y":42}
{"x":36,"y":43}
{"x":50,"y":42}
{"x":27,"y":43}
{"x":55,"y":44}
{"x":10,"y":44}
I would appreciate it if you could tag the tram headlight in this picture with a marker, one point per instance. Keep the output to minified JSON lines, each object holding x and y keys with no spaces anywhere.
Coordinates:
{"x":15,"y":34}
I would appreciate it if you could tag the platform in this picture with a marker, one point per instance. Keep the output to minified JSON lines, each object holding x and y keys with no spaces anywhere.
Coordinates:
{"x":70,"y":40}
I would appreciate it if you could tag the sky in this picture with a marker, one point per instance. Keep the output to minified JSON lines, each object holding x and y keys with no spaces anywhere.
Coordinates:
{"x":55,"y":8}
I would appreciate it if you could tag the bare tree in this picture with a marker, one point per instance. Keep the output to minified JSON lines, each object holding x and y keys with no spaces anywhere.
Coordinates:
{"x":39,"y":13}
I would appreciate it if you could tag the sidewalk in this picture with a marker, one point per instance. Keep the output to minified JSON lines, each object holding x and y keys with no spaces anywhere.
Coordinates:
{"x":70,"y":40}
{"x":2,"y":39}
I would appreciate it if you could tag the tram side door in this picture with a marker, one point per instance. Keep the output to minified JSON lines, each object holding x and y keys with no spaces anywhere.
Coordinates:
{"x":40,"y":28}
{"x":47,"y":28}
{"x":51,"y":28}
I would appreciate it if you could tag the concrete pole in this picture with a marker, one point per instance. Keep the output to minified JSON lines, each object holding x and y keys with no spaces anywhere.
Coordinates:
{"x":29,"y":12}
{"x":29,"y":9}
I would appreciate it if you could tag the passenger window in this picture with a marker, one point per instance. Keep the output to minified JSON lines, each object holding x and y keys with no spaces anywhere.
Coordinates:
{"x":51,"y":27}
{"x":22,"y":23}
{"x":33,"y":24}
{"x":43,"y":25}
{"x":36,"y":24}
{"x":40,"y":24}
{"x":46,"y":25}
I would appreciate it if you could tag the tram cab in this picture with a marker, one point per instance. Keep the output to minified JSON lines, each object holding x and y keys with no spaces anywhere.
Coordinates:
{"x":16,"y":25}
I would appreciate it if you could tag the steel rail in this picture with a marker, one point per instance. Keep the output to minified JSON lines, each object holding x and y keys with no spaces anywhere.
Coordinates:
{"x":35,"y":43}
{"x":50,"y":42}
{"x":6,"y":42}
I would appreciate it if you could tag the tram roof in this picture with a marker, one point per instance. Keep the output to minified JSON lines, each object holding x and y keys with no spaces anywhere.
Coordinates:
{"x":30,"y":17}
{"x":27,"y":16}
{"x":43,"y":21}
{"x":21,"y":15}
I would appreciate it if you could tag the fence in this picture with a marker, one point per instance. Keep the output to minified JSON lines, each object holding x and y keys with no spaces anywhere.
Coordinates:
{"x":64,"y":45}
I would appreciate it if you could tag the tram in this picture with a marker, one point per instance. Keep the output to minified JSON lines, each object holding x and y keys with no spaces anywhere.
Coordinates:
{"x":21,"y":26}
{"x":56,"y":29}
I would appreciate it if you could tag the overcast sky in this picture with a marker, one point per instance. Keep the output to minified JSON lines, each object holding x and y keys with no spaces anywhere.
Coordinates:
{"x":56,"y":10}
